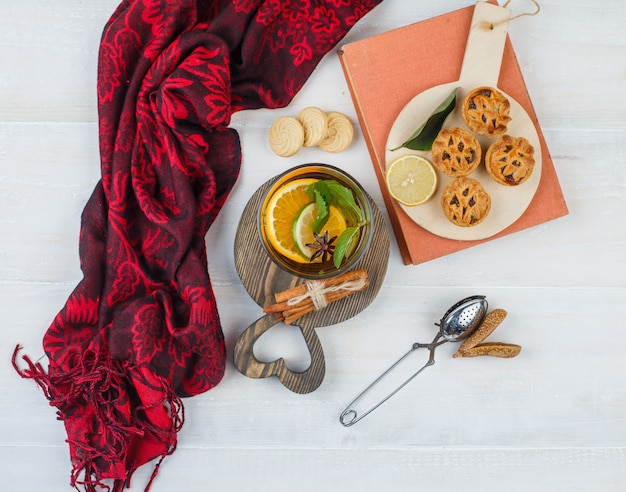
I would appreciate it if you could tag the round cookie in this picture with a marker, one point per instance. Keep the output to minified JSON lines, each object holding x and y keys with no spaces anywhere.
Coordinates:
{"x":486,"y":111}
{"x":465,"y":202}
{"x":315,"y":124}
{"x":286,"y":136}
{"x":510,"y":160}
{"x":339,"y":133}
{"x":456,"y":152}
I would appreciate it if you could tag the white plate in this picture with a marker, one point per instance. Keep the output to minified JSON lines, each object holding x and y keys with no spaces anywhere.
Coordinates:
{"x":508,"y":203}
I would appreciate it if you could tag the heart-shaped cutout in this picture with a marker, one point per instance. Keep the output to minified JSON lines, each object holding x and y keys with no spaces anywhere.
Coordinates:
{"x":299,"y":381}
{"x":286,"y":342}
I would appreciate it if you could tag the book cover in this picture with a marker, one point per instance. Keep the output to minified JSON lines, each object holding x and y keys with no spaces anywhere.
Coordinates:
{"x":384,"y":72}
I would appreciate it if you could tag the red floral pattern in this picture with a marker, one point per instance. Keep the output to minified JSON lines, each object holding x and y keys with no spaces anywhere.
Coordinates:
{"x":142,"y":329}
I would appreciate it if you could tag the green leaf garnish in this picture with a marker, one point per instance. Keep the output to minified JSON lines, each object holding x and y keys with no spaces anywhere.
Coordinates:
{"x":344,"y":199}
{"x":344,"y":241}
{"x":323,"y":213}
{"x":320,"y":193}
{"x":425,"y":135}
{"x":327,"y":192}
{"x":320,"y":187}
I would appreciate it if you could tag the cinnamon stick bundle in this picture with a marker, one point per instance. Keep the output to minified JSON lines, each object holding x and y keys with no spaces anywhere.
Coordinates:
{"x":292,"y":304}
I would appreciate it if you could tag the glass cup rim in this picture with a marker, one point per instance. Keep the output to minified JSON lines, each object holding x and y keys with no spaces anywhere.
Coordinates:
{"x":362,"y":197}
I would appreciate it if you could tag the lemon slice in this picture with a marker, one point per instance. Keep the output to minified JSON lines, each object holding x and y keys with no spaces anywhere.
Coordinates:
{"x":302,"y":229}
{"x":280,"y":213}
{"x":411,"y":180}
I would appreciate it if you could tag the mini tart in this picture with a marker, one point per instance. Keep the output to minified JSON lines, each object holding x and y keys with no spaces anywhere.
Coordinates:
{"x":465,"y":202}
{"x":510,"y":160}
{"x":456,"y":152}
{"x":486,"y":111}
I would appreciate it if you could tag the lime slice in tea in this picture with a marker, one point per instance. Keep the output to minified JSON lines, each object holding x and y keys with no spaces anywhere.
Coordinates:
{"x":302,"y":229}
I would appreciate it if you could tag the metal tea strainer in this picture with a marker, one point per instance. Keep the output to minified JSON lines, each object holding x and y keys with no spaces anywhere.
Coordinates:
{"x":459,"y":322}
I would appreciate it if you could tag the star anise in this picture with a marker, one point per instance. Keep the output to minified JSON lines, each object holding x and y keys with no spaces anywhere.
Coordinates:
{"x":323,"y":246}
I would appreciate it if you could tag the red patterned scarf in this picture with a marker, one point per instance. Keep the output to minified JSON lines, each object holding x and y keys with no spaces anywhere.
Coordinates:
{"x":141,"y":330}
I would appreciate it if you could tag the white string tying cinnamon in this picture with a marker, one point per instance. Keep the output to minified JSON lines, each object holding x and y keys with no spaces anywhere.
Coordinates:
{"x":317,"y":291}
{"x":295,"y":302}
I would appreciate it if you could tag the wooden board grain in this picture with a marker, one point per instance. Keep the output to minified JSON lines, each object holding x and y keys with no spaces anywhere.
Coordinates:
{"x":481,"y":67}
{"x":262,"y":278}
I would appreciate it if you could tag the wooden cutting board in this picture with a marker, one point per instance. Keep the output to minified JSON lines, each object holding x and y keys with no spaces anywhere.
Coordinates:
{"x":262,"y":278}
{"x":481,"y":67}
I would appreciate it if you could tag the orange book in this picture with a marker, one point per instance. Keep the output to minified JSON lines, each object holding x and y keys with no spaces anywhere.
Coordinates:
{"x":384,"y":72}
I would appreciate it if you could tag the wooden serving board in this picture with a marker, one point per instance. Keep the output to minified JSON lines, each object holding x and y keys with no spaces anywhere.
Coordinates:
{"x":481,"y":67}
{"x":262,"y":279}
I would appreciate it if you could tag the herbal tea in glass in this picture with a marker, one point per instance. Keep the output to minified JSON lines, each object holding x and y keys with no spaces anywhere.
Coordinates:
{"x":315,"y":221}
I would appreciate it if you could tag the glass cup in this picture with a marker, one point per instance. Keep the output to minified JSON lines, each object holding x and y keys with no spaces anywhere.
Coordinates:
{"x":315,"y":269}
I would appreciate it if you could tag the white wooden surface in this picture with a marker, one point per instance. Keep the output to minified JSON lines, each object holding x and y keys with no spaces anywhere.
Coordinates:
{"x":553,"y":418}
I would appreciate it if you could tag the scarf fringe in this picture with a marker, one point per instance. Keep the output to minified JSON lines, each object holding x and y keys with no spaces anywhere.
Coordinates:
{"x":95,"y":383}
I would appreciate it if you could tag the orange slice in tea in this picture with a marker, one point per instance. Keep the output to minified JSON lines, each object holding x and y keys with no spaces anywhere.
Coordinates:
{"x":302,"y":230}
{"x":280,"y":214}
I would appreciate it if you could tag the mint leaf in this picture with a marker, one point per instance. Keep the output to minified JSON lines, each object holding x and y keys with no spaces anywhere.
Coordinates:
{"x":344,"y":241}
{"x":322,"y":213}
{"x":425,"y":135}
{"x":322,"y":196}
{"x":344,"y":199}
{"x":320,"y":187}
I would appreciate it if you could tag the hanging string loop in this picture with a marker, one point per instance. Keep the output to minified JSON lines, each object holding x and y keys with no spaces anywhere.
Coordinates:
{"x":490,"y":26}
{"x":537,"y":10}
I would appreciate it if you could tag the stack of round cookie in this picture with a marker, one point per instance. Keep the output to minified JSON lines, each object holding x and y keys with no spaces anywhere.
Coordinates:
{"x":331,"y":132}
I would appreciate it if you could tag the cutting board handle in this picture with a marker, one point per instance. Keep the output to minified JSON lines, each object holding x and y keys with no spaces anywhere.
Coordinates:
{"x":485,"y":46}
{"x":298,"y":382}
